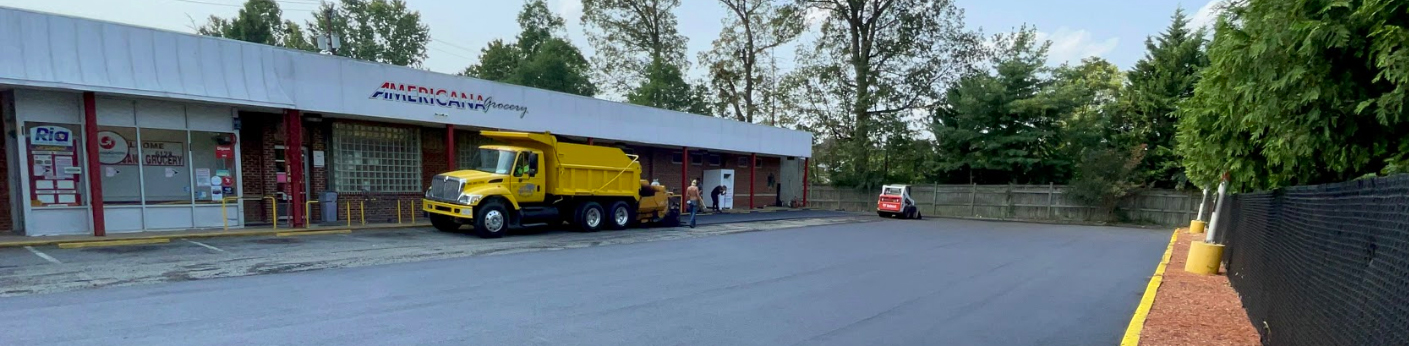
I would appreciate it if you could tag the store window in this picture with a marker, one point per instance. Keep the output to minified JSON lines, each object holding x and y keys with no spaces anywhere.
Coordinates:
{"x":56,"y":175}
{"x":213,"y":166}
{"x":117,"y":158}
{"x":715,"y":160}
{"x":371,"y":158}
{"x":166,"y":175}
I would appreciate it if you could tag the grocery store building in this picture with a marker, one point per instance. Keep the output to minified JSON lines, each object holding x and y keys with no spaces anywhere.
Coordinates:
{"x":116,"y":128}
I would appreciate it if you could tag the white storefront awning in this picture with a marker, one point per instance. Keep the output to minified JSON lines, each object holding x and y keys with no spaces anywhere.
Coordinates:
{"x":54,"y":51}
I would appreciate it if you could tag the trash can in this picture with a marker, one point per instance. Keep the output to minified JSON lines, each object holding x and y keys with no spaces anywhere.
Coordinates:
{"x":329,"y":201}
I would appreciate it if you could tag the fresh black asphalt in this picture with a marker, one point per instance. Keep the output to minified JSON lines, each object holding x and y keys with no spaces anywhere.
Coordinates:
{"x":932,"y":282}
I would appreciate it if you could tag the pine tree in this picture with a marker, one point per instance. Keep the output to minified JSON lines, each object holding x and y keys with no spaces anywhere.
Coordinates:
{"x":1164,"y":77}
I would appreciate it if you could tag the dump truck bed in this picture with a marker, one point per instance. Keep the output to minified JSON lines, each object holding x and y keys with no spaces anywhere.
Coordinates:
{"x":577,"y":169}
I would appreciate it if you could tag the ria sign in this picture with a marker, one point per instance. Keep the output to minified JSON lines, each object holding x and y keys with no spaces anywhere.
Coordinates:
{"x":390,"y":91}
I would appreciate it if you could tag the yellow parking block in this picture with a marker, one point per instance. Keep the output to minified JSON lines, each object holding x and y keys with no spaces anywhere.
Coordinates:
{"x":75,"y":245}
{"x":289,"y":234}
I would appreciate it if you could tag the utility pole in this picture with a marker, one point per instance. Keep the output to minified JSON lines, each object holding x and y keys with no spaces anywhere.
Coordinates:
{"x":328,"y":41}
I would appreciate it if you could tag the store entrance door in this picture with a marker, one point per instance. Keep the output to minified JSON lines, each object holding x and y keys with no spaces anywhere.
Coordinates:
{"x":281,"y":179}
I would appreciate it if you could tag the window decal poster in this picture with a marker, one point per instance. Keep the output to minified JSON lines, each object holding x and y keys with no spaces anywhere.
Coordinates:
{"x":54,"y":176}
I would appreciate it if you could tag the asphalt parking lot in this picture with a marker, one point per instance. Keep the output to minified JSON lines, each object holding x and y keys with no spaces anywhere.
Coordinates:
{"x":877,"y":282}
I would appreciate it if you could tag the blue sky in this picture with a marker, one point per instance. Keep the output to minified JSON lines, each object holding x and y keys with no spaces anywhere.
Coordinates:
{"x":1113,"y":29}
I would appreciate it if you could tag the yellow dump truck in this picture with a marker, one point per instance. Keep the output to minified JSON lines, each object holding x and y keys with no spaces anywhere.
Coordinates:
{"x":531,"y":179}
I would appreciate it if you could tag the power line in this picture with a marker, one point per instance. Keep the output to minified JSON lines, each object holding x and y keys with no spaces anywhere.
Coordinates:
{"x":448,"y":52}
{"x":453,"y":45}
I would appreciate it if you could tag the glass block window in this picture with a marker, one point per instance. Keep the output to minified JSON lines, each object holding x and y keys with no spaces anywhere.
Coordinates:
{"x":372,"y":158}
{"x":467,"y":148}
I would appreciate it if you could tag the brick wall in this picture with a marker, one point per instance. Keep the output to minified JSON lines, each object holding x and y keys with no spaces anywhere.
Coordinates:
{"x":259,"y":133}
{"x":657,"y":163}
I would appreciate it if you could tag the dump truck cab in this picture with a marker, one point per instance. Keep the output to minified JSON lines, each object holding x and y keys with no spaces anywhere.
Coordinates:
{"x":532,"y":179}
{"x":895,"y":201}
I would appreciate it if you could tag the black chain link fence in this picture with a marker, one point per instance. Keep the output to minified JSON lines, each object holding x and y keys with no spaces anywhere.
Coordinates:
{"x":1325,"y":264}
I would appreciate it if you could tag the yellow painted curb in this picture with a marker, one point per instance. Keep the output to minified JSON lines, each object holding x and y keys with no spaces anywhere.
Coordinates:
{"x":336,"y":231}
{"x":1137,"y":321}
{"x":76,"y":245}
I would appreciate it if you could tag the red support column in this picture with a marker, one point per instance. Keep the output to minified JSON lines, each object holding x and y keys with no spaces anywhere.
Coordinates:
{"x":753,"y":165}
{"x":95,"y":181}
{"x":293,"y":146}
{"x":450,"y":148}
{"x":684,"y":169}
{"x":589,"y":140}
{"x":806,"y":167}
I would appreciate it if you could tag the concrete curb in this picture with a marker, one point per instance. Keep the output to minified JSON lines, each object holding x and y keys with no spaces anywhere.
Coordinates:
{"x":1137,"y":321}
{"x":159,"y":238}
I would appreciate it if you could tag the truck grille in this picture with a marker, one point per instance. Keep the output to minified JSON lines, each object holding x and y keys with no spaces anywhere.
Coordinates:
{"x":446,"y":188}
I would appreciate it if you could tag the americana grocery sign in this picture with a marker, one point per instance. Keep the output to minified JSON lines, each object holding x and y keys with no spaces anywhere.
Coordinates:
{"x":408,"y":93}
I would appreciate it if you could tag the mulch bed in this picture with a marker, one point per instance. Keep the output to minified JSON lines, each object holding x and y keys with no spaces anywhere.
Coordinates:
{"x":1192,"y":309}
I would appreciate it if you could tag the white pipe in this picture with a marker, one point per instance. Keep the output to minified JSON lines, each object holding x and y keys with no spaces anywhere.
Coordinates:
{"x":1213,"y":225}
{"x":1202,"y":202}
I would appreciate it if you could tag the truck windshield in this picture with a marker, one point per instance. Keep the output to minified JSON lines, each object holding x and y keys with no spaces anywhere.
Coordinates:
{"x":495,"y":161}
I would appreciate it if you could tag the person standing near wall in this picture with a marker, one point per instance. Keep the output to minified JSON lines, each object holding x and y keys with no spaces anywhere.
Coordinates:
{"x":714,"y":196}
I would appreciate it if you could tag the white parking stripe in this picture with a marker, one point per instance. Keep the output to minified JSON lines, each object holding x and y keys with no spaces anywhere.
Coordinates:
{"x":204,"y":245}
{"x":45,"y":256}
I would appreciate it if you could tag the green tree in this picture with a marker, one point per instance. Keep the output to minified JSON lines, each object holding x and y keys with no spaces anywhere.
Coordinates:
{"x":1004,"y":125}
{"x":259,"y":21}
{"x":1164,"y":77}
{"x":665,"y":87}
{"x":736,"y":63}
{"x":874,"y":66}
{"x":375,"y":30}
{"x":1300,"y":92}
{"x":498,"y":62}
{"x":540,"y":58}
{"x":629,"y":37}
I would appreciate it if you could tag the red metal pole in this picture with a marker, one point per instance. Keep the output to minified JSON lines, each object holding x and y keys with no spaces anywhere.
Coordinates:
{"x":293,"y":131}
{"x":806,"y":167}
{"x":95,"y":181}
{"x":450,"y":148}
{"x":753,"y":165}
{"x":684,"y":169}
{"x":589,"y":140}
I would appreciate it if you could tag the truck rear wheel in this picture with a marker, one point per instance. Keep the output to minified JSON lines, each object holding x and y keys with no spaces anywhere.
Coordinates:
{"x":444,"y":223}
{"x":590,"y":217}
{"x":621,"y":215}
{"x":491,"y":220}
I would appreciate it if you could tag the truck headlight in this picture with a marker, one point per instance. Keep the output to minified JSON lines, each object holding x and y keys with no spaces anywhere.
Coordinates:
{"x":469,"y":199}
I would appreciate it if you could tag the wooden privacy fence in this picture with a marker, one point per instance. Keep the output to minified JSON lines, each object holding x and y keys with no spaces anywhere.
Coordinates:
{"x":1021,"y":202}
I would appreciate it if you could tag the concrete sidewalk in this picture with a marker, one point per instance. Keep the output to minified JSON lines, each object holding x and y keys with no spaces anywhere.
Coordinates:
{"x":161,"y":236}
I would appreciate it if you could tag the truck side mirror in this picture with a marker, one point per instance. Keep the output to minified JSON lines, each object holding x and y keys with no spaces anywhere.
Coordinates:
{"x":532,"y":164}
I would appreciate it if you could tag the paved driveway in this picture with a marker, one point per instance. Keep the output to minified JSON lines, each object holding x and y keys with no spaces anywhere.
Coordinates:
{"x":932,"y":282}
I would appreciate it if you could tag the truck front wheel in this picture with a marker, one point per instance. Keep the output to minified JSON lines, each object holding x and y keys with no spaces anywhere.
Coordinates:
{"x":491,"y":220}
{"x":590,"y":217}
{"x":621,"y":215}
{"x":444,"y":223}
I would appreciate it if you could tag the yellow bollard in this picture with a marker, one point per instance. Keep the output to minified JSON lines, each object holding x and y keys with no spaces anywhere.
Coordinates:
{"x":398,"y":212}
{"x":362,"y":211}
{"x":308,"y":214}
{"x":223,"y":218}
{"x":349,"y":213}
{"x":413,"y":212}
{"x":1204,"y":258}
{"x":1197,"y":227}
{"x":274,"y":211}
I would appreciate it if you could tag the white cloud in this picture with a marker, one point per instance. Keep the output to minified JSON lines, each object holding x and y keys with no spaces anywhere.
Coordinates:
{"x":1073,"y":45}
{"x":1206,"y":15}
{"x":570,"y":10}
